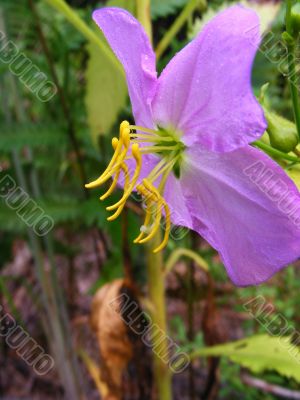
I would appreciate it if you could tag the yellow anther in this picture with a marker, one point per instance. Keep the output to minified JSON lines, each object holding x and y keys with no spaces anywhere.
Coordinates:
{"x":114,"y":142}
{"x":161,"y":203}
{"x":149,"y":198}
{"x":167,"y":229}
{"x":125,"y":136}
{"x":155,"y":225}
{"x":126,"y":184}
{"x":145,"y":224}
{"x":112,"y":187}
{"x":124,"y":124}
{"x":117,"y":146}
{"x":118,"y":155}
{"x":138,"y":159}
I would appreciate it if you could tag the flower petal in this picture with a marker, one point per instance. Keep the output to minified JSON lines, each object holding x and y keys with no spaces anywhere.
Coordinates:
{"x":205,"y":91}
{"x":132,"y":47}
{"x":246,"y":207}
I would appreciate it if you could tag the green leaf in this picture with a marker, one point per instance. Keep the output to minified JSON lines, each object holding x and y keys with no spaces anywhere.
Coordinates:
{"x":106,"y":92}
{"x":260,"y":353}
{"x":163,"y":8}
{"x":16,"y":136}
{"x":129,"y":5}
{"x":267,"y":13}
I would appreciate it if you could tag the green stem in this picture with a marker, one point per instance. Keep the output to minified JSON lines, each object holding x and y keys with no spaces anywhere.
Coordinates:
{"x":162,"y":373}
{"x":183,"y":252}
{"x":177,"y":25}
{"x":143,"y":8}
{"x":155,"y":270}
{"x":292,"y":67}
{"x":276,"y":153}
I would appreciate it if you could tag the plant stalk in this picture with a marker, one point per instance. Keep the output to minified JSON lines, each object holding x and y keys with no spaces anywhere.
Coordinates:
{"x":156,"y":287}
{"x":156,"y":281}
{"x":292,"y":67}
{"x":143,"y":9}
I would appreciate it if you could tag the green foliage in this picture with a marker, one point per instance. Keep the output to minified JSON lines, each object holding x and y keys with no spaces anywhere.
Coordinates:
{"x":260,"y":353}
{"x":16,"y":136}
{"x":105,"y":94}
{"x":163,"y":8}
{"x":129,"y":5}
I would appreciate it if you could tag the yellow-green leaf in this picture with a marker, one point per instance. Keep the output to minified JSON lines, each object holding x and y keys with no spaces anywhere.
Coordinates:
{"x":260,"y":353}
{"x":106,"y":92}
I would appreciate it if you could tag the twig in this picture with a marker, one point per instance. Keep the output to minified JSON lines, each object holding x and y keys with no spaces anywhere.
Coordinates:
{"x":270,"y":388}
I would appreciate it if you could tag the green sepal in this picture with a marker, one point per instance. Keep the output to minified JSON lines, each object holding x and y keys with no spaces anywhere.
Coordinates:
{"x":282,"y":132}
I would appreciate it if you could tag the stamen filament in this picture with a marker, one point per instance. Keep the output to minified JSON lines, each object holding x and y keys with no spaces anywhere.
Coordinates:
{"x":168,"y":166}
{"x":142,"y":129}
{"x":148,"y":138}
{"x":155,"y":149}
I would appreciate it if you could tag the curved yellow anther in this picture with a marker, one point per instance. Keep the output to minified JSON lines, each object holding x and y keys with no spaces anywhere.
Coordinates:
{"x":149,"y":198}
{"x":124,"y":124}
{"x":126,"y":174}
{"x":155,"y":225}
{"x":118,"y":155}
{"x":161,"y":203}
{"x":138,"y":159}
{"x":167,"y":229}
{"x":112,"y":187}
{"x":114,"y":142}
{"x":125,"y":137}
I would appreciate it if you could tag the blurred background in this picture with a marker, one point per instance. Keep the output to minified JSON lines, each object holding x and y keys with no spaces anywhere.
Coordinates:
{"x":63,"y":96}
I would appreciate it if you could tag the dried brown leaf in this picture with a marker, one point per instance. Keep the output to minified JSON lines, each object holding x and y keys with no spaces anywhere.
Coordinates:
{"x":112,"y":335}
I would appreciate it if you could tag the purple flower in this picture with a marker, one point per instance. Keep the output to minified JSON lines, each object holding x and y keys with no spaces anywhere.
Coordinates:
{"x":189,"y":155}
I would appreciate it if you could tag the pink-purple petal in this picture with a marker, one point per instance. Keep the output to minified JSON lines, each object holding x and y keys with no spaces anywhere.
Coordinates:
{"x":205,"y":91}
{"x":131,"y":45}
{"x":246,"y":207}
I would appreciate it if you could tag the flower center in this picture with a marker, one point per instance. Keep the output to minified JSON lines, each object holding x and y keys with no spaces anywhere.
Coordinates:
{"x":133,"y":143}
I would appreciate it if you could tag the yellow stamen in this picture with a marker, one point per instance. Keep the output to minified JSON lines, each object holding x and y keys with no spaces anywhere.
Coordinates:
{"x":160,"y":203}
{"x":142,"y":129}
{"x":167,"y":229}
{"x":112,"y":187}
{"x":138,"y":159}
{"x":157,"y":149}
{"x":154,"y":202}
{"x":149,"y":199}
{"x":155,"y":225}
{"x":118,"y":156}
{"x":149,"y":138}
